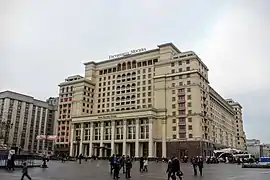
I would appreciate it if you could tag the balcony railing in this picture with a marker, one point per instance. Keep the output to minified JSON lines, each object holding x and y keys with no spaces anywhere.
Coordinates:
{"x":181,"y":93}
{"x":182,"y":115}
{"x":182,"y":108}
{"x":181,"y":100}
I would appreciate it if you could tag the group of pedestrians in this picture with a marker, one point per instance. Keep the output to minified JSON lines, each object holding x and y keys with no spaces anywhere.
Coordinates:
{"x":117,"y":163}
{"x":173,"y":169}
{"x":197,"y":163}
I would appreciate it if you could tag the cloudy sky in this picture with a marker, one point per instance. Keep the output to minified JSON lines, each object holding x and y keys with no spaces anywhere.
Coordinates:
{"x":42,"y":42}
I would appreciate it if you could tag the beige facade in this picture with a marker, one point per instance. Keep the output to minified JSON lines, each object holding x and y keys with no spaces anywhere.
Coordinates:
{"x":153,"y":103}
{"x":75,"y":99}
{"x":23,"y":118}
{"x":238,"y":125}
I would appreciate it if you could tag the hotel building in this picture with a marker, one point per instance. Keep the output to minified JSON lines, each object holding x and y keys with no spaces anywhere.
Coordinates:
{"x":240,"y":134}
{"x":76,"y":98}
{"x":22,"y":119}
{"x":154,"y":103}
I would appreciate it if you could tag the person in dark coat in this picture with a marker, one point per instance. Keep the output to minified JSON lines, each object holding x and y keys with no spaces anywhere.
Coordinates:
{"x":25,"y":171}
{"x":194,"y":163}
{"x":128,"y":166}
{"x":13,"y":162}
{"x":200,"y":165}
{"x":122,"y":163}
{"x":111,"y":159}
{"x":80,"y":158}
{"x":176,"y":171}
{"x":116,"y":167}
{"x":141,"y":164}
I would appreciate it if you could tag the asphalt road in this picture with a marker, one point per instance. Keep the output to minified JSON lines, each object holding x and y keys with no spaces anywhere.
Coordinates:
{"x":99,"y":170}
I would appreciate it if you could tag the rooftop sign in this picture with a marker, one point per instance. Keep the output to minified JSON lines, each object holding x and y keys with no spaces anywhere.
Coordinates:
{"x":134,"y":51}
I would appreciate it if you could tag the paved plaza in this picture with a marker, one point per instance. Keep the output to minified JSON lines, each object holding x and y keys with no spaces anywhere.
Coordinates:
{"x":99,"y":170}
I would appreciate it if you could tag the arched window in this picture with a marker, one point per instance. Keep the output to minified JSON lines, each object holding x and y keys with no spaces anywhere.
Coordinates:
{"x":134,"y":64}
{"x":124,"y":66}
{"x":128,"y":65}
{"x":119,"y":67}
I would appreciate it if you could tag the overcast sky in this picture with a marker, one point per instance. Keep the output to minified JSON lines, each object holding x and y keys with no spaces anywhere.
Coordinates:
{"x":43,"y":42}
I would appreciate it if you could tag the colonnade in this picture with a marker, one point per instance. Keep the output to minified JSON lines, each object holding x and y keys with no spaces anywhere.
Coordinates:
{"x":113,"y":140}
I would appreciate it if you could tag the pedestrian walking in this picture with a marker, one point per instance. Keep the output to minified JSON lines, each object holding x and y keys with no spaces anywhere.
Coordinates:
{"x":80,"y":158}
{"x":116,"y":167}
{"x":145,"y":165}
{"x":200,"y":165}
{"x":128,"y":163}
{"x":122,"y":163}
{"x":111,"y":159}
{"x":141,"y":164}
{"x":194,"y":163}
{"x":169,"y":169}
{"x":176,"y":171}
{"x":25,"y":171}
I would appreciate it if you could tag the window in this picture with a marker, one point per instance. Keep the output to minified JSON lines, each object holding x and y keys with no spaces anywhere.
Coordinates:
{"x":188,"y":68}
{"x":190,"y":119}
{"x":174,"y":121}
{"x":189,"y":104}
{"x":174,"y":136}
{"x":187,"y":61}
{"x":190,"y":136}
{"x":188,"y":90}
{"x":189,"y":127}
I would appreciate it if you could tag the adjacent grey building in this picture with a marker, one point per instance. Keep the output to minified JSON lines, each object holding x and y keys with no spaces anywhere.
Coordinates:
{"x":23,"y":118}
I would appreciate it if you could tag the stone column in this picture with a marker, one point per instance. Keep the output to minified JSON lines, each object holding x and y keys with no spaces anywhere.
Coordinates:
{"x":101,"y":138}
{"x":137,"y":138}
{"x":91,"y":140}
{"x":124,"y":137}
{"x":150,"y":142}
{"x":81,"y":140}
{"x":112,"y":137}
{"x":71,"y":141}
{"x":164,"y":146}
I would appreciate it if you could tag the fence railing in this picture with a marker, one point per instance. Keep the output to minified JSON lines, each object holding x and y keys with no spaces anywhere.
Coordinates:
{"x":31,"y":160}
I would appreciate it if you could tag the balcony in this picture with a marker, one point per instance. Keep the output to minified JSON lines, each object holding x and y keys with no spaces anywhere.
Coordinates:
{"x":182,"y":115}
{"x":182,"y":131}
{"x":182,"y":123}
{"x":181,"y":93}
{"x":181,"y":100}
{"x":182,"y":108}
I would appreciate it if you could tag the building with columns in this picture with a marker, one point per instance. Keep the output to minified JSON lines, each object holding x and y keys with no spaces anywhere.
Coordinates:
{"x":23,"y":118}
{"x":155,"y":103}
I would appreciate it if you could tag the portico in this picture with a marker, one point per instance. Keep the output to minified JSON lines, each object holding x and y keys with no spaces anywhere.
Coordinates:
{"x":130,"y":134}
